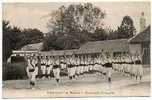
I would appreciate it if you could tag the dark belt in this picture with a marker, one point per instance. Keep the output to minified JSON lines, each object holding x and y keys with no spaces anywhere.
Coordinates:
{"x":98,"y":63}
{"x":131,"y":63}
{"x":70,"y":66}
{"x":62,"y":63}
{"x":36,"y":64}
{"x":31,"y":70}
{"x":137,"y":62}
{"x":82,"y":64}
{"x":56,"y":66}
{"x":107,"y":64}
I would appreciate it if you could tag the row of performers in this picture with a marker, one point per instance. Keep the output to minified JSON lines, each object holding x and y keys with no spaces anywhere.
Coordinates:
{"x":79,"y":65}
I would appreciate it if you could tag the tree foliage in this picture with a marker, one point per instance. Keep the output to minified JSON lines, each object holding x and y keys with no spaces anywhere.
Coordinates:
{"x":76,"y":18}
{"x":73,"y":25}
{"x":6,"y":40}
{"x":15,"y":38}
{"x":126,"y":29}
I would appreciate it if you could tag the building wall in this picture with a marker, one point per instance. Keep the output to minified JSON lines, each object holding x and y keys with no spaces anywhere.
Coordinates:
{"x":135,"y":48}
{"x":146,"y":50}
{"x":146,"y":56}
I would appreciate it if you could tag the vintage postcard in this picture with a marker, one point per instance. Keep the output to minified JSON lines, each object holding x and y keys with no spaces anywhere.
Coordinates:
{"x":76,"y":49}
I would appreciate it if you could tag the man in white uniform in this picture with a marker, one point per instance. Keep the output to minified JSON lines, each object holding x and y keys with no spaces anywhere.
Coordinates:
{"x":43,"y":66}
{"x":108,"y":65}
{"x":31,"y":72}
{"x":35,"y":63}
{"x":48,"y":67}
{"x":70,"y":67}
{"x":139,"y":68}
{"x":56,"y":69}
{"x":78,"y":66}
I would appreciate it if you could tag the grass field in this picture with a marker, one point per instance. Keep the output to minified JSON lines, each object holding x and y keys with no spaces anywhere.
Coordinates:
{"x":84,"y":86}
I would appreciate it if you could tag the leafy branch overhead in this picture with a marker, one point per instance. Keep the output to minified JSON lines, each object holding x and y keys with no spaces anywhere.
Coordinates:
{"x":76,"y":18}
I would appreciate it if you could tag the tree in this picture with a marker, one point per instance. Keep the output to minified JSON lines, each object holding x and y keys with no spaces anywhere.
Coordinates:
{"x":111,"y":34}
{"x":32,"y":36}
{"x":100,"y":34}
{"x":14,"y":38}
{"x":76,"y":17}
{"x":74,"y":24}
{"x":6,"y":40}
{"x":126,"y":29}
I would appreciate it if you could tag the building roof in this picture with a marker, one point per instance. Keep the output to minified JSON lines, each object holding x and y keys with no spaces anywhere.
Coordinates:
{"x":33,"y":47}
{"x":143,"y":36}
{"x":58,"y":52}
{"x":117,"y":45}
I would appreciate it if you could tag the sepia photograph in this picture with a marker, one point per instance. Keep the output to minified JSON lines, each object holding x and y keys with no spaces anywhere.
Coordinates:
{"x":76,"y":49}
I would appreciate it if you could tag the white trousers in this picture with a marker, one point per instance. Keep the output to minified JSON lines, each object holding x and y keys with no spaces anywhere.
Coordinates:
{"x":36,"y":70}
{"x":43,"y":68}
{"x":139,"y":70}
{"x":56,"y":73}
{"x":31,"y":75}
{"x":78,"y":70}
{"x":71,"y":71}
{"x":48,"y":69}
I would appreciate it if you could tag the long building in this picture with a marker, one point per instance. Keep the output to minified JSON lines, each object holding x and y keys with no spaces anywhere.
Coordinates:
{"x":114,"y":47}
{"x":140,"y":43}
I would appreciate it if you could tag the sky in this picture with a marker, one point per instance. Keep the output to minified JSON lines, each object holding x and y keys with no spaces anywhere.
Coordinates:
{"x":32,"y":15}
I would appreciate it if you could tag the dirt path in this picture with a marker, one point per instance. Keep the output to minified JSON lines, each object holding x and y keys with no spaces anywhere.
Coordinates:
{"x":88,"y":85}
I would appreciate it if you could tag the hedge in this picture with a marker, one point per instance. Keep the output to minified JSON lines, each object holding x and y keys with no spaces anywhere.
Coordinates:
{"x":12,"y":71}
{"x":17,"y":59}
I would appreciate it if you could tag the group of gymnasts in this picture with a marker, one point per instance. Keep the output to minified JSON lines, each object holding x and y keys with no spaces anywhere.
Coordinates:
{"x":79,"y":65}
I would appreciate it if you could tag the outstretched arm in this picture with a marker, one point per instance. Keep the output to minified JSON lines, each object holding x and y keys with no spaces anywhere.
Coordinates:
{"x":142,"y":54}
{"x":27,"y":71}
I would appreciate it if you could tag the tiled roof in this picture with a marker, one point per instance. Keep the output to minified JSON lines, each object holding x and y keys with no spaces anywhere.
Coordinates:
{"x":33,"y":47}
{"x":107,"y":45}
{"x":118,"y":45}
{"x":141,"y":37}
{"x":58,"y":52}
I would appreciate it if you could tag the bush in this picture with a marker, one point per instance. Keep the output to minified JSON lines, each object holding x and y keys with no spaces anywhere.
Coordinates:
{"x":17,"y":59}
{"x":13,"y":71}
